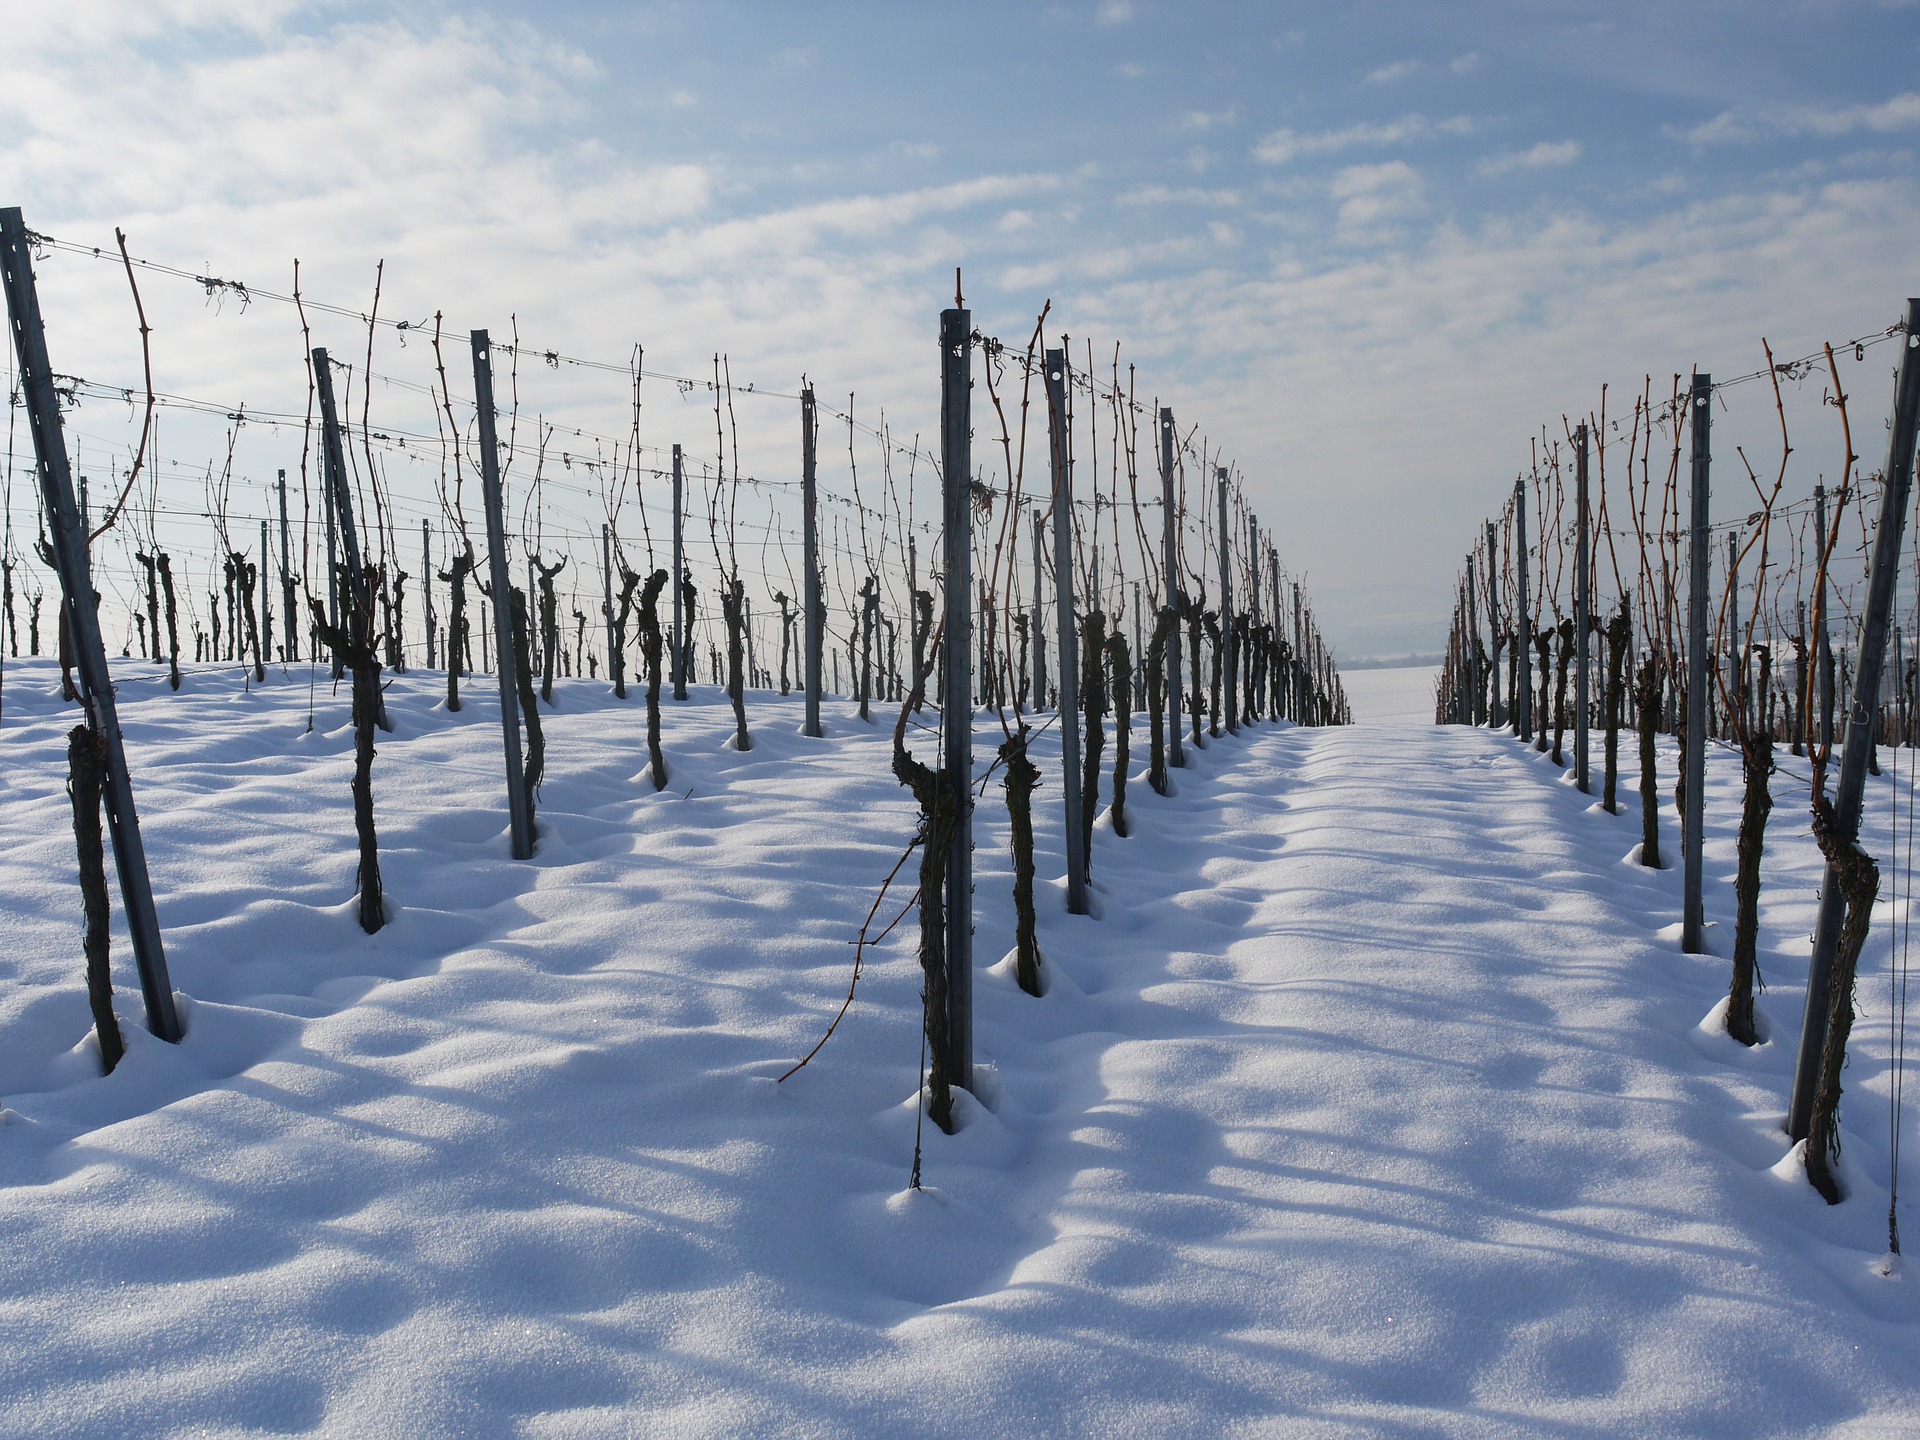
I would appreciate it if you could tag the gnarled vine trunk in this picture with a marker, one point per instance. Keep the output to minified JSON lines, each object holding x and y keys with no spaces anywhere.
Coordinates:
{"x":1647,"y":701}
{"x":535,"y":768}
{"x":83,"y":784}
{"x":356,"y":653}
{"x":1120,"y":666}
{"x":939,"y":809}
{"x":733,"y":612}
{"x":651,"y":646}
{"x":1859,"y":880}
{"x":1019,"y":781}
{"x":1093,"y":700}
{"x":1164,"y":625}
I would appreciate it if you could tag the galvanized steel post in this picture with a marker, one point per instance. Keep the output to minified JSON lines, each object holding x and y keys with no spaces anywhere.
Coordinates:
{"x":69,"y":539}
{"x":956,"y":479}
{"x":520,"y":824}
{"x":1693,"y":822}
{"x":1069,"y":657}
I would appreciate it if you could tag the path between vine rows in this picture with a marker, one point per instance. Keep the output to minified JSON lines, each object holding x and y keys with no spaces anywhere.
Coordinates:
{"x":1374,"y":1101}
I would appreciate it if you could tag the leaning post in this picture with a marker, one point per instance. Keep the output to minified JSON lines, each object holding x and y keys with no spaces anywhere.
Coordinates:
{"x":520,"y":825}
{"x":333,"y":466}
{"x":1882,"y":583}
{"x":69,"y":539}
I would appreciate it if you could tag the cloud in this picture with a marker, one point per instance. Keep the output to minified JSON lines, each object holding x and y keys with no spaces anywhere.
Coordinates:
{"x":1279,"y":147}
{"x":1465,"y":64}
{"x":1544,"y":156}
{"x":1208,"y":119}
{"x":1479,"y":333}
{"x":1398,"y":70}
{"x":462,"y":151}
{"x":1147,"y":195}
{"x":1115,"y":12}
{"x":1902,"y":112}
{"x":1370,"y":195}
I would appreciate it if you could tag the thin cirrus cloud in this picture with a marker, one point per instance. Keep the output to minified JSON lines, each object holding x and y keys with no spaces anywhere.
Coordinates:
{"x":1208,"y":119}
{"x":1397,"y":70}
{"x":1281,"y":147}
{"x":1547,"y":155}
{"x":1902,"y":112}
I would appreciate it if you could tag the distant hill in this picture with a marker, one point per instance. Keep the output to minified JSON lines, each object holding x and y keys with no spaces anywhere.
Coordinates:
{"x":1392,"y":662}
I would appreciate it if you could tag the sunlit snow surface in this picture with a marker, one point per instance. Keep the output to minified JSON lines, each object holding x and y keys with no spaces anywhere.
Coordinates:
{"x":1401,"y":695}
{"x":1375,"y":1101}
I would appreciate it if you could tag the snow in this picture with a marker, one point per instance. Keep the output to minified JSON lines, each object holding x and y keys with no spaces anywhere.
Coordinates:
{"x":1397,"y":695}
{"x":1377,"y":1101}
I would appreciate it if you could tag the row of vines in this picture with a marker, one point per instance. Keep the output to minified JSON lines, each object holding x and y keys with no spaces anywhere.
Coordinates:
{"x":1602,"y":598}
{"x":551,"y":522}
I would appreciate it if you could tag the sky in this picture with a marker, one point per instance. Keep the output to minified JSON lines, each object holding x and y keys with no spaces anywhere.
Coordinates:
{"x":1371,"y":250}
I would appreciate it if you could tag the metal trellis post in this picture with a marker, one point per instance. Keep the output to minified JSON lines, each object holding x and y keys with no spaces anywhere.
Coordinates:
{"x":1499,"y":716}
{"x":1172,"y":592}
{"x":1822,"y":638}
{"x":520,"y":824}
{"x":956,"y":476}
{"x":1882,"y":584}
{"x":1523,"y":630}
{"x":679,"y":580}
{"x":265,"y":637}
{"x":334,"y":465}
{"x":69,"y":539}
{"x":1736,"y":671}
{"x":606,"y":593}
{"x":1693,"y":822}
{"x":1069,"y":658}
{"x":333,"y":536}
{"x":426,"y":590}
{"x":813,"y":600}
{"x":1253,"y":601}
{"x":1470,"y":653}
{"x":1038,"y":628}
{"x":1227,"y":644}
{"x":1582,"y":614}
{"x":292,"y":651}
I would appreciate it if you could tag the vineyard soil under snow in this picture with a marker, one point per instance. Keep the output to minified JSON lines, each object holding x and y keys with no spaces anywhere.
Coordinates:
{"x":1376,"y":1099}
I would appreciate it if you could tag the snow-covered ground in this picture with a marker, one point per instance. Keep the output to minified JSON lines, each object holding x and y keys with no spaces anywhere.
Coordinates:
{"x":1376,"y":1100}
{"x":1401,"y":695}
